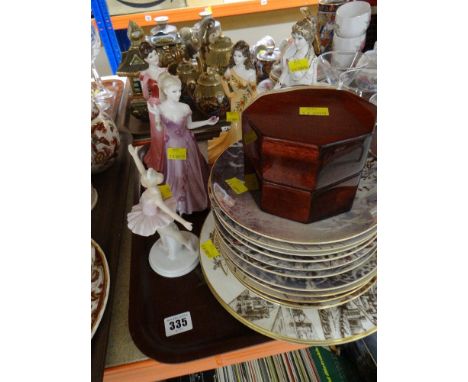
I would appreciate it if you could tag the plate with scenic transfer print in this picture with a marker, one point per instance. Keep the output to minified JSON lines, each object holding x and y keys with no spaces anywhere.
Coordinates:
{"x":288,"y":248}
{"x":278,"y":269}
{"x":244,"y":211}
{"x":312,"y":326}
{"x":293,"y":297}
{"x":294,"y":262}
{"x":310,"y":251}
{"x":344,"y":281}
{"x":284,"y":247}
{"x":294,"y":301}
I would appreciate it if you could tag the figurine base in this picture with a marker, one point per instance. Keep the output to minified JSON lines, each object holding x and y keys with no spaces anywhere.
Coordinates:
{"x":184,"y":261}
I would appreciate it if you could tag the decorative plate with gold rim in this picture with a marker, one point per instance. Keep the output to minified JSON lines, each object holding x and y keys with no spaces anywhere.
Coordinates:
{"x":336,"y":325}
{"x":100,"y":282}
{"x":286,"y":298}
{"x":342,"y":282}
{"x":283,"y":247}
{"x":279,"y":269}
{"x":298,"y":302}
{"x":294,"y":262}
{"x":244,"y":211}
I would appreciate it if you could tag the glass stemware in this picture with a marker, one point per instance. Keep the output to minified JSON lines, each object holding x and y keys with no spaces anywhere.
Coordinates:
{"x":329,"y":66}
{"x":102,"y":95}
{"x":361,"y":80}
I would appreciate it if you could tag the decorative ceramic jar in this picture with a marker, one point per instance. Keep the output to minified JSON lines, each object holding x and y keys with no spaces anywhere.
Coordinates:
{"x":167,"y":43}
{"x":326,"y":22}
{"x":188,"y":74}
{"x":265,"y":60}
{"x":219,"y":54}
{"x":105,"y":140}
{"x":209,"y":95}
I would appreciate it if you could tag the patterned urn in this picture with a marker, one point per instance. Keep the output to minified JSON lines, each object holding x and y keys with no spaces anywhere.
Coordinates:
{"x":105,"y":140}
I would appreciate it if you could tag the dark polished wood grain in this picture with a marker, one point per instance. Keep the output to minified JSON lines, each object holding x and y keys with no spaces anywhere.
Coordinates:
{"x":308,"y":166}
{"x":107,"y":222}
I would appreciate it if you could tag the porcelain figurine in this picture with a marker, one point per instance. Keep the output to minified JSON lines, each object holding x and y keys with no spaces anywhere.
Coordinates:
{"x":240,"y":86}
{"x":300,"y":46}
{"x":149,"y":77}
{"x":150,"y":89}
{"x":185,"y":168}
{"x":176,"y":252}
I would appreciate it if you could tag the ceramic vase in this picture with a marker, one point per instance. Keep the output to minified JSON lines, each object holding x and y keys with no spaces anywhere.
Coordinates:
{"x":105,"y":140}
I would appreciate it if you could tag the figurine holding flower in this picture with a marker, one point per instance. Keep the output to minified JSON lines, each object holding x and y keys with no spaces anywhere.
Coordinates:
{"x":186,"y":171}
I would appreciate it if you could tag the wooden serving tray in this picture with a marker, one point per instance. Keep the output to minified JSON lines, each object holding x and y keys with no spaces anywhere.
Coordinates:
{"x":107,"y":221}
{"x":153,"y":298}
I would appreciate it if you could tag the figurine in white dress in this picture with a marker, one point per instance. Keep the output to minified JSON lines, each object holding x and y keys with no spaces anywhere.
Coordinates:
{"x":300,"y":47}
{"x":176,"y":252}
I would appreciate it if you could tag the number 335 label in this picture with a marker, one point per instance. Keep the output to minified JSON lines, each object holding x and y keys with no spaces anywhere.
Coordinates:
{"x":178,"y":324}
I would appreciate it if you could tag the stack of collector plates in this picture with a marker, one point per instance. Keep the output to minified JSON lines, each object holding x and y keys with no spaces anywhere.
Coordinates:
{"x":308,"y":283}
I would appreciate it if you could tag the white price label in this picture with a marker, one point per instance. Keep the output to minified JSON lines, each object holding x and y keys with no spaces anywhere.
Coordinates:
{"x":263,"y":2}
{"x":148,"y":18}
{"x":178,"y":324}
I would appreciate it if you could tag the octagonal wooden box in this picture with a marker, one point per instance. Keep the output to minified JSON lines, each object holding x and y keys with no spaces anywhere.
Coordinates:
{"x":307,"y":147}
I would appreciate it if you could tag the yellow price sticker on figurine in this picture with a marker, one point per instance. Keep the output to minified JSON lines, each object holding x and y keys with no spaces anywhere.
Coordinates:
{"x":210,"y":249}
{"x":298,"y":65}
{"x":165,"y":190}
{"x":321,"y":111}
{"x":176,"y":153}
{"x":232,"y":116}
{"x":237,"y":185}
{"x":251,"y":182}
{"x":250,"y":137}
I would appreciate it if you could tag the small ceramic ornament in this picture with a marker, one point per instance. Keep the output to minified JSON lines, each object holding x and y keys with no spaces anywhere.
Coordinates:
{"x":176,"y":252}
{"x":185,"y":168}
{"x":105,"y":140}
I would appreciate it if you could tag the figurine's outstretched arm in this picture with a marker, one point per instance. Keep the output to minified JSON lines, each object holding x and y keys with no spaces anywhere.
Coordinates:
{"x":193,"y":125}
{"x":173,"y":214}
{"x":134,"y":153}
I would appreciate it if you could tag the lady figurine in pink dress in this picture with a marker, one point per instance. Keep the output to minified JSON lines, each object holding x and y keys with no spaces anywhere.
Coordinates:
{"x":150,"y":89}
{"x":186,"y":171}
{"x":176,"y":252}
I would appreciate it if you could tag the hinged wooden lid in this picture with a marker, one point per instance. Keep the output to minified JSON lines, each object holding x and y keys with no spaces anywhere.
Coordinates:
{"x":277,"y":115}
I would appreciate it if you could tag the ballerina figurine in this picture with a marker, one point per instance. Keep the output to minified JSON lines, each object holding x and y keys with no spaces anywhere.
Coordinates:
{"x":186,"y":170}
{"x":176,"y":252}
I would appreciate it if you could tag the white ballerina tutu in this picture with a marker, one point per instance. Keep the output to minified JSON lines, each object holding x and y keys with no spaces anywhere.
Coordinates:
{"x":145,"y":217}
